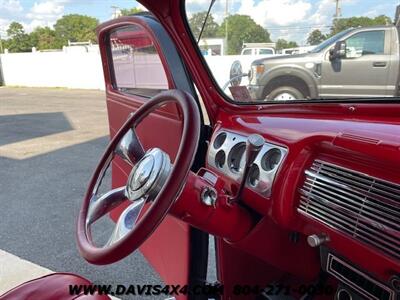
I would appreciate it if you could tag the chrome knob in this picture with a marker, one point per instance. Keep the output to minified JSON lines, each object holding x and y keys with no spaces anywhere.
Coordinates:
{"x":209,"y":196}
{"x":316,"y":240}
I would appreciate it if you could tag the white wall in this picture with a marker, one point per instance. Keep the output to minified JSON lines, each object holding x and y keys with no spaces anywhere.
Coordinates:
{"x":76,"y":69}
{"x":53,"y":69}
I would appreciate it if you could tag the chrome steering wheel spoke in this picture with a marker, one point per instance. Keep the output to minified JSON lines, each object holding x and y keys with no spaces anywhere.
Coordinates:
{"x":99,"y":206}
{"x":145,"y":181}
{"x":129,"y":148}
{"x":126,"y":221}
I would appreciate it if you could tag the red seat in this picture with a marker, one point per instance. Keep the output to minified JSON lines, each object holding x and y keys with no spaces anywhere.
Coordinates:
{"x":51,"y":287}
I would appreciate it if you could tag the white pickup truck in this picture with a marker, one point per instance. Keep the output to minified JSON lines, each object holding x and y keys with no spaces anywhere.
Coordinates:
{"x":258,"y":49}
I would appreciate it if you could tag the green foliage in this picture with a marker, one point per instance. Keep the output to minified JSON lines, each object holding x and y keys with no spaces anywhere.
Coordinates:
{"x":75,"y":28}
{"x":44,"y":38}
{"x":130,"y":11}
{"x":342,"y":24}
{"x":2,"y":45}
{"x":15,"y":29}
{"x":284,"y":44}
{"x":316,"y":37}
{"x":241,"y":29}
{"x":18,"y":40}
{"x":196,"y":23}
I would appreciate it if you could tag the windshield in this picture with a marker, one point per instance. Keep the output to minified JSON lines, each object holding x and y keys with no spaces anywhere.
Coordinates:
{"x":332,"y":40}
{"x":233,"y":37}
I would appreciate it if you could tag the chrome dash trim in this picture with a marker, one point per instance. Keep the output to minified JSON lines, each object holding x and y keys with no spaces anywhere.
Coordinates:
{"x":330,"y":270}
{"x":266,"y":178}
{"x":364,"y":207}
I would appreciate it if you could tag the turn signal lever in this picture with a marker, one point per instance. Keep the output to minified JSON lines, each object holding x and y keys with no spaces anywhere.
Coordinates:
{"x":254,"y":144}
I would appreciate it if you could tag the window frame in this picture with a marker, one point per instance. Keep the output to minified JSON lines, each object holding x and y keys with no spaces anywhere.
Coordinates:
{"x":113,"y":81}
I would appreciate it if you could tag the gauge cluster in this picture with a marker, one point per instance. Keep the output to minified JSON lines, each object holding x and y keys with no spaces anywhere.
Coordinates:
{"x":226,"y":155}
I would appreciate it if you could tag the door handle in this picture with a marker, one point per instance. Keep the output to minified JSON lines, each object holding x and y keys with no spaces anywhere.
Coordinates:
{"x":379,"y":64}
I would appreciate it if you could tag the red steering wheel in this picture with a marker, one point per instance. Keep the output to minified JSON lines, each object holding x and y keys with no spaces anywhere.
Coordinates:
{"x":153,"y":180}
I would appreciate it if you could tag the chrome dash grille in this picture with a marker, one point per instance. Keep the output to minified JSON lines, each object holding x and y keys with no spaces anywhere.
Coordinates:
{"x":362,"y":206}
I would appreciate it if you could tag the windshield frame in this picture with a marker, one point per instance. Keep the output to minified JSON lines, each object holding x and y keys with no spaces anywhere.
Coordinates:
{"x":265,"y":104}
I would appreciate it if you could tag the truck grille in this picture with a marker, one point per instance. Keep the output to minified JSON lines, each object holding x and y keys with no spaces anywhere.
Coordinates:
{"x":364,"y":207}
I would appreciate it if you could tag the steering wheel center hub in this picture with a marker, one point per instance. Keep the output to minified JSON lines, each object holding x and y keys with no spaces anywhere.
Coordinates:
{"x":148,"y":175}
{"x":143,"y":172}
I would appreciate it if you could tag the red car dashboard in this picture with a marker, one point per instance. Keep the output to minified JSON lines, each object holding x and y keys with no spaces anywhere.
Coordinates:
{"x":328,"y":183}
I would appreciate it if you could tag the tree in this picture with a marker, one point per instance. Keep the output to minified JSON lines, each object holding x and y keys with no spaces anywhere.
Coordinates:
{"x":75,"y":28}
{"x":44,"y":38}
{"x":316,"y":37}
{"x":130,"y":11}
{"x":15,"y":29}
{"x":2,"y":45}
{"x":284,"y":44}
{"x":242,"y":28}
{"x":18,"y":40}
{"x":342,"y":24}
{"x":196,"y":23}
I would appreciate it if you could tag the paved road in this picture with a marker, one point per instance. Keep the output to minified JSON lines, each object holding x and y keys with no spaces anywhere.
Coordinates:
{"x":50,"y":142}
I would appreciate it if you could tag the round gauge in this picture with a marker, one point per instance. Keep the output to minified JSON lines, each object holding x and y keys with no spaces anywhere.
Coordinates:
{"x":271,"y":159}
{"x":254,"y":175}
{"x":219,"y":140}
{"x":220,"y":159}
{"x":235,"y":157}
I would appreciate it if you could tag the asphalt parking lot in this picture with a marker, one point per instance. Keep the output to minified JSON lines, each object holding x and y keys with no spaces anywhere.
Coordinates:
{"x":50,"y":142}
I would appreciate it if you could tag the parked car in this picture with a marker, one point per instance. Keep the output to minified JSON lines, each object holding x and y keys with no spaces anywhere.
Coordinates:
{"x":358,"y":62}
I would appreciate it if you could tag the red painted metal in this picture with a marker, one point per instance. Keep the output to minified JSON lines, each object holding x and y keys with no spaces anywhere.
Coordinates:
{"x":336,"y":132}
{"x":232,"y":222}
{"x":167,"y":120}
{"x":333,"y":138}
{"x":51,"y":287}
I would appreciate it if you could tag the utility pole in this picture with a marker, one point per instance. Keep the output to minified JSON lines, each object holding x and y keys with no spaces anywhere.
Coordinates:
{"x":338,"y":12}
{"x":226,"y":26}
{"x":117,"y":11}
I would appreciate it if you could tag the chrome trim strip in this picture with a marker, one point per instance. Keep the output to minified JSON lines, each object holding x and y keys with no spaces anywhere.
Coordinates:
{"x":355,"y":203}
{"x":353,"y":189}
{"x":370,"y":186}
{"x":339,"y":276}
{"x":380,"y":180}
{"x":344,"y":223}
{"x":353,"y":198}
{"x":354,"y":211}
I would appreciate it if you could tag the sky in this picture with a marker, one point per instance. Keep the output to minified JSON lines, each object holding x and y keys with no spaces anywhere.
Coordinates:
{"x":34,"y":13}
{"x":289,"y":19}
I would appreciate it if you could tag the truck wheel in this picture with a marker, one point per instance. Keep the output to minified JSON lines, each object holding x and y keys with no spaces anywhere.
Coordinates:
{"x":285,"y":93}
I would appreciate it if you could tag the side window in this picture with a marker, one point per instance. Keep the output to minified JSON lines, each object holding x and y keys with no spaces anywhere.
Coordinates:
{"x":136,"y":64}
{"x":247,"y":52}
{"x":265,"y":51}
{"x":364,"y":43}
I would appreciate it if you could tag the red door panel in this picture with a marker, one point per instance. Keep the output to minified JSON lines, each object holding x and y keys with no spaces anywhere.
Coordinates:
{"x":124,"y":43}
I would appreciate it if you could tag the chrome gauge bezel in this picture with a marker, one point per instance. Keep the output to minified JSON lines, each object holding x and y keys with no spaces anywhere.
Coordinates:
{"x":219,"y":154}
